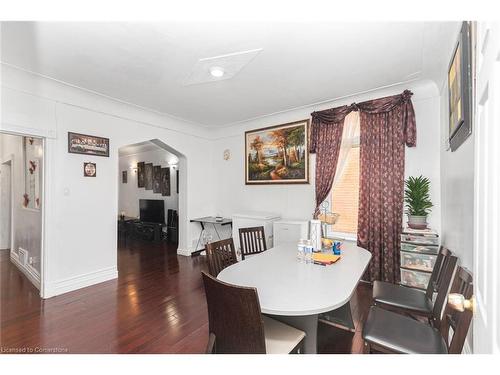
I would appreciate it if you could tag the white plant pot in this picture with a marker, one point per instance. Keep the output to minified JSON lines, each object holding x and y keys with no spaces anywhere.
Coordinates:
{"x":417,"y":222}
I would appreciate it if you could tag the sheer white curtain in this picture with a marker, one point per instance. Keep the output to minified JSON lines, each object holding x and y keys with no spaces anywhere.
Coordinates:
{"x":350,"y":138}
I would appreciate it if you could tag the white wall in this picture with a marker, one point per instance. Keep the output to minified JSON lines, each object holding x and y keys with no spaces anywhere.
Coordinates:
{"x":457,"y":194}
{"x":297,"y":201}
{"x":5,"y":203}
{"x":80,"y":218}
{"x":129,"y":193}
{"x":27,"y":223}
{"x":208,"y":184}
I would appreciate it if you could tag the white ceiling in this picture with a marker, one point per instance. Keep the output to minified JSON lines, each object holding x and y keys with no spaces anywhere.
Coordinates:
{"x":300,"y":63}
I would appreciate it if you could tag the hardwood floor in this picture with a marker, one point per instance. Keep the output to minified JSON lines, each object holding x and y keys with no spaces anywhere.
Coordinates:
{"x":157,"y":305}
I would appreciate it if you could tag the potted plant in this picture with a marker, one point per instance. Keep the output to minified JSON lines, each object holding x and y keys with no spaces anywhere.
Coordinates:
{"x":418,"y":202}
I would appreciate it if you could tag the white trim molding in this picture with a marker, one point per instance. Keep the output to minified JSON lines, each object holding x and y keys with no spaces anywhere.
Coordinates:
{"x":73,"y":283}
{"x":28,"y":271}
{"x":184,"y":252}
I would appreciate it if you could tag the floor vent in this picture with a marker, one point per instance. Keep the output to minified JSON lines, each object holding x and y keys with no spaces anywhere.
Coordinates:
{"x":23,"y":256}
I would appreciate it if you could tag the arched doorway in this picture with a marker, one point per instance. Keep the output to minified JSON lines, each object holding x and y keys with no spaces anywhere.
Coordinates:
{"x":150,"y":201}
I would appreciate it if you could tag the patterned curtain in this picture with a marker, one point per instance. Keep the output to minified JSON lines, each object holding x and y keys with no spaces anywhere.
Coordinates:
{"x":387,"y":124}
{"x":326,"y":138}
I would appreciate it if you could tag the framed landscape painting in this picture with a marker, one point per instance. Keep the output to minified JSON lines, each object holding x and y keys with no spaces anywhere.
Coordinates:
{"x":278,"y":154}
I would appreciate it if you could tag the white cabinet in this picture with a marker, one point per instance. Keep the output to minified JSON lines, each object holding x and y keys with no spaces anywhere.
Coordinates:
{"x":250,"y":219}
{"x":290,"y":231}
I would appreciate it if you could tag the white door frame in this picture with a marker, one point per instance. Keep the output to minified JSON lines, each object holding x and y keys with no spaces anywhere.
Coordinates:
{"x":10,"y":161}
{"x":43,"y":211}
{"x":486,"y":186}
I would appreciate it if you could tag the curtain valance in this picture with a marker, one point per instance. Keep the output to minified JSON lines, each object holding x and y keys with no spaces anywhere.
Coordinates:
{"x":335,"y":116}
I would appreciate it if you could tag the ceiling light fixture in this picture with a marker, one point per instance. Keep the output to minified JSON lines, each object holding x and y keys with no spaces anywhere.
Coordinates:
{"x":216,"y":71}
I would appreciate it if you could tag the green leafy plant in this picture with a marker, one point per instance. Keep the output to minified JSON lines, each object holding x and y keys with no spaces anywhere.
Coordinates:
{"x":417,"y":197}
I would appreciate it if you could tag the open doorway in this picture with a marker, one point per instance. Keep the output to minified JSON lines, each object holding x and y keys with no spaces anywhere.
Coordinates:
{"x":6,"y":205}
{"x":148,"y":201}
{"x":21,"y":215}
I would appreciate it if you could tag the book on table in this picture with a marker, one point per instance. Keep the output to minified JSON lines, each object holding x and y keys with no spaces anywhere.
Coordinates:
{"x":325,"y":258}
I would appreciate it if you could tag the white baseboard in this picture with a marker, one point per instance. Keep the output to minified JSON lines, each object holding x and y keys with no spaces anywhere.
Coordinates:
{"x":31,"y":273}
{"x":184,"y":252}
{"x":73,"y":283}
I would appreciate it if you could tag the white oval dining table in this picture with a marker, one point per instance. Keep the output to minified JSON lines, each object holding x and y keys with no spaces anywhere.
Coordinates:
{"x":295,"y":292}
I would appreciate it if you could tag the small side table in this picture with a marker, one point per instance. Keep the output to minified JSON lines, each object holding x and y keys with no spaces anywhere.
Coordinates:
{"x":212,"y":221}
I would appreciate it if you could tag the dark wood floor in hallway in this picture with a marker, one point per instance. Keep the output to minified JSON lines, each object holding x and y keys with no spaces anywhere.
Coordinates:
{"x":157,"y":305}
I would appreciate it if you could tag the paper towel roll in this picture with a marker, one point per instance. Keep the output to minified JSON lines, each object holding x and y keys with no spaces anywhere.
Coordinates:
{"x":315,"y":234}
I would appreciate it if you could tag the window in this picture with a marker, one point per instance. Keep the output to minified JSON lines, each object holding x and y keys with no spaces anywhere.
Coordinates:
{"x":344,"y":197}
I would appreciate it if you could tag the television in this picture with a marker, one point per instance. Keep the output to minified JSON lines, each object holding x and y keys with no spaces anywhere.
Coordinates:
{"x":152,"y":210}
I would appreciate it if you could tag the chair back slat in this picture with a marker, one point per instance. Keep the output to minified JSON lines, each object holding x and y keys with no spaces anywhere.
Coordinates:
{"x":445,"y":284}
{"x":458,"y":321}
{"x":437,"y":272}
{"x":252,"y":241}
{"x":234,"y":318}
{"x":220,"y":255}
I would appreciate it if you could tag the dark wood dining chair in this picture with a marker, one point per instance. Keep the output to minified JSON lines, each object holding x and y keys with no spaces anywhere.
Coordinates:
{"x":400,"y":298}
{"x":252,"y":241}
{"x":220,"y":254}
{"x":236,"y":324}
{"x":388,"y":332}
{"x":458,"y":321}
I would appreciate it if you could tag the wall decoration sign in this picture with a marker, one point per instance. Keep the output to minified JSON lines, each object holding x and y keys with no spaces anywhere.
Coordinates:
{"x":177,"y":181}
{"x":278,"y":154}
{"x":148,"y":176}
{"x":88,"y":144}
{"x":460,"y":84}
{"x":157,"y":179}
{"x":32,"y":155}
{"x":89,"y":169}
{"x":140,"y":174}
{"x":165,"y":182}
{"x":124,"y":177}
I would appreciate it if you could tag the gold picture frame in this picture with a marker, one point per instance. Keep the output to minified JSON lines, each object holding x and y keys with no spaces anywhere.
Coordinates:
{"x":278,"y":155}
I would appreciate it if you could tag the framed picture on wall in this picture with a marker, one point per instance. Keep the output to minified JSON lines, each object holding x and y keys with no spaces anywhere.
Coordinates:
{"x":140,"y":174}
{"x":165,"y":182}
{"x":148,"y":176}
{"x":157,"y":179}
{"x":89,"y":169}
{"x":278,"y":154}
{"x":88,"y":144}
{"x":460,"y":82}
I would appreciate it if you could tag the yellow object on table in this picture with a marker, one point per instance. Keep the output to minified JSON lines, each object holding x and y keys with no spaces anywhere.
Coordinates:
{"x":326,"y":242}
{"x":325,"y":258}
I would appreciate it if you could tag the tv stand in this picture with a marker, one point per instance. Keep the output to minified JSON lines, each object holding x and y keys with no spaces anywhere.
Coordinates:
{"x":146,"y":231}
